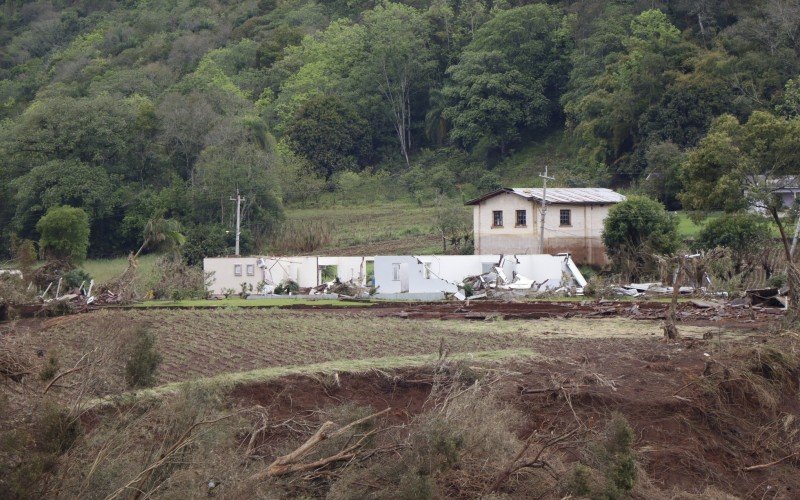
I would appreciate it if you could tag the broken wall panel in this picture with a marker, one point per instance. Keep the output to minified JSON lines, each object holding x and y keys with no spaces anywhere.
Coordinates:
{"x":408,"y":274}
{"x":347,"y":268}
{"x":398,"y":273}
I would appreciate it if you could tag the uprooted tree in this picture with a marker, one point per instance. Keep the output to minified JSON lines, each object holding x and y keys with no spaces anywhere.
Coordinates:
{"x":740,"y":166}
{"x":159,"y":234}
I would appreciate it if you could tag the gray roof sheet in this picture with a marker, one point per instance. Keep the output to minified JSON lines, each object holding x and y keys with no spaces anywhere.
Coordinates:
{"x":577,"y":196}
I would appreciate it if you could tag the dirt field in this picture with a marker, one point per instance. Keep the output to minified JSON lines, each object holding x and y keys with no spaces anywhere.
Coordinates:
{"x":713,"y":414}
{"x":203,"y":343}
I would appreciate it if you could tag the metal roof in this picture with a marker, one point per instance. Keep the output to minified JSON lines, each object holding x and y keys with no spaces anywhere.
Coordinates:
{"x":565,"y":196}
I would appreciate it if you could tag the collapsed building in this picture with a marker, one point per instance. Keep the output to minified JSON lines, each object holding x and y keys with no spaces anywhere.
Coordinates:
{"x":425,"y":277}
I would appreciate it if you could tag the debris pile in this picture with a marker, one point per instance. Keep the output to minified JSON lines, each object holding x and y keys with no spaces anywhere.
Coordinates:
{"x":656,"y":288}
{"x":493,"y":283}
{"x":695,"y":310}
{"x":52,"y":302}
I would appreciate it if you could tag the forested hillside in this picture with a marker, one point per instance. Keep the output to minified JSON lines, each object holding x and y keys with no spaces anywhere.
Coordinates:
{"x":137,"y":109}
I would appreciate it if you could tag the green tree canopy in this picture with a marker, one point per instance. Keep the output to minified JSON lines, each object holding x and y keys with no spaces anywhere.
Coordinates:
{"x":742,"y":233}
{"x":330,"y":134}
{"x":64,"y":234}
{"x":509,"y":78}
{"x":636,"y":230}
{"x":740,"y":165}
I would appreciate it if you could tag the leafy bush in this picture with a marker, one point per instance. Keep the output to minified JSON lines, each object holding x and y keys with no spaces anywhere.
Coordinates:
{"x":286,"y":287}
{"x":57,"y":430}
{"x":64,"y":233}
{"x":742,"y":233}
{"x":50,"y":369}
{"x":140,"y":370}
{"x":610,"y":468}
{"x":634,"y":231}
{"x":74,"y":277}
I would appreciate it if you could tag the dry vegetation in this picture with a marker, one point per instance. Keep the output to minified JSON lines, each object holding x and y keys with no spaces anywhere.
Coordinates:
{"x":604,"y":409}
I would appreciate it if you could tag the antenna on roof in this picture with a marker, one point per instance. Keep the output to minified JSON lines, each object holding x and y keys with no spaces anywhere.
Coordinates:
{"x":543,"y":210}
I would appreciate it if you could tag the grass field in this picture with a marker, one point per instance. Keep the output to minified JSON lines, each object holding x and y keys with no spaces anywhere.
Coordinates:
{"x":394,"y":227}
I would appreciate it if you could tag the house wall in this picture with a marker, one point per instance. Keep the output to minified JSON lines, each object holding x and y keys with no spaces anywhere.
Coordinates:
{"x":415,"y":274}
{"x":507,"y":239}
{"x":411,"y":276}
{"x":347,"y":268}
{"x":224,"y":276}
{"x":582,"y":238}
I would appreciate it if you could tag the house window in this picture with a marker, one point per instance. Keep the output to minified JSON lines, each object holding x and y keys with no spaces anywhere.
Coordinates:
{"x":497,"y":218}
{"x":566,"y":217}
{"x":237,"y":270}
{"x":251,"y":270}
{"x":522,"y":218}
{"x":395,"y":272}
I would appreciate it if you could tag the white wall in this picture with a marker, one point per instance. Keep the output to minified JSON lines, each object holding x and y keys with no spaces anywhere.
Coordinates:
{"x":510,"y":238}
{"x":224,"y":275}
{"x":347,"y":268}
{"x":416,"y":274}
{"x":411,"y":269}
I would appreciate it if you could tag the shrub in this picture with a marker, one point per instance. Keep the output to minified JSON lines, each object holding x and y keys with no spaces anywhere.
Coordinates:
{"x":64,"y":234}
{"x":634,"y":231}
{"x":57,"y":430}
{"x":74,"y":278}
{"x":610,"y":471}
{"x":50,"y":369}
{"x":286,"y":287}
{"x":744,"y":234}
{"x":140,"y":370}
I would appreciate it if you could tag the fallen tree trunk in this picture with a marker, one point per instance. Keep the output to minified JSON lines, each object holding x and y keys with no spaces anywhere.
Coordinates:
{"x":290,"y":462}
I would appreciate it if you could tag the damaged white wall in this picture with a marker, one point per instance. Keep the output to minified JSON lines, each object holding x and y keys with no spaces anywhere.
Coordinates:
{"x":231,"y":272}
{"x":393,"y":273}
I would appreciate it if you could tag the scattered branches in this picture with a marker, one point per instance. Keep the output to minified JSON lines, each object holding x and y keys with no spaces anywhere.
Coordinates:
{"x":290,"y":463}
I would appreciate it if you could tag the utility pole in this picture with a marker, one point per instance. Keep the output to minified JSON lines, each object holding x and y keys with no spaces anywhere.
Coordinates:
{"x":239,"y":199}
{"x":544,"y":207}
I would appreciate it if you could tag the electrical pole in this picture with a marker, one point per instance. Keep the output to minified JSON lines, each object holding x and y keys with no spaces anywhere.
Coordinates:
{"x":544,"y":207}
{"x":239,"y":199}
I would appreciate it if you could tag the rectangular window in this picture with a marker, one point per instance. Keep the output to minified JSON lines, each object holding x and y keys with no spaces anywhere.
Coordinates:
{"x":395,"y":272}
{"x":566,"y":217}
{"x":251,"y":270}
{"x":522,"y":218}
{"x":237,"y":270}
{"x":497,"y":218}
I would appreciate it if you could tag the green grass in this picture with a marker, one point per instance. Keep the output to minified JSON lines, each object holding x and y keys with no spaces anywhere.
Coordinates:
{"x":689,"y":229}
{"x":104,"y":270}
{"x":230,"y":380}
{"x":392,"y":227}
{"x":239,"y":302}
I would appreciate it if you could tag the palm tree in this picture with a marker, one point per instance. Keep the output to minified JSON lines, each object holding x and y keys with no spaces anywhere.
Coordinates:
{"x":163,"y":234}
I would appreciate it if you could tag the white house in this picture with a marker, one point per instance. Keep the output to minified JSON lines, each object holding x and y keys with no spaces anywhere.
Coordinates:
{"x":507,"y":221}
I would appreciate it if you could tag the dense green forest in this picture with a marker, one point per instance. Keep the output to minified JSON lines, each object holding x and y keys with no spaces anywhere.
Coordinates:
{"x":136,"y":109}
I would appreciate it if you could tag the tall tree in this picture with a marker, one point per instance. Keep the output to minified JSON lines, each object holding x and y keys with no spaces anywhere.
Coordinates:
{"x":509,"y":78}
{"x":742,"y":165}
{"x":398,"y":63}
